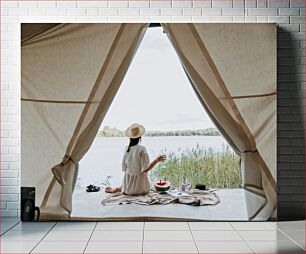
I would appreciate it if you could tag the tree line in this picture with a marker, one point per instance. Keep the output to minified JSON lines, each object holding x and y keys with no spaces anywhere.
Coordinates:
{"x":114,"y":132}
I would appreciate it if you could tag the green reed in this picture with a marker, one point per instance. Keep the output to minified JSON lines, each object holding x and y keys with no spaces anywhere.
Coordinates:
{"x":214,"y":168}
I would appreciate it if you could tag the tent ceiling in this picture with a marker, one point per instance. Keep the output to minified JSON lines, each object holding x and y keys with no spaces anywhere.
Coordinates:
{"x":30,"y":29}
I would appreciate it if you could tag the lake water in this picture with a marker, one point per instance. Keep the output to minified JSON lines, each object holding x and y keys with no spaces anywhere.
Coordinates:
{"x":105,"y":155}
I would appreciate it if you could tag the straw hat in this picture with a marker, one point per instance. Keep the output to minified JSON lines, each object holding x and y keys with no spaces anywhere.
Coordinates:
{"x":135,"y":131}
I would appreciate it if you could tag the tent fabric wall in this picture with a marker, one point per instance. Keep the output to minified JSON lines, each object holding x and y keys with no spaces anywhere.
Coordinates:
{"x":233,"y":70}
{"x":70,"y":75}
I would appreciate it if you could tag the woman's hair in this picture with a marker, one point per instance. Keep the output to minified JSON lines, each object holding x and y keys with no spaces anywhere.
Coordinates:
{"x":133,"y":142}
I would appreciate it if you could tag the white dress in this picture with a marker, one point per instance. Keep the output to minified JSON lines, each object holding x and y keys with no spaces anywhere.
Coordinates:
{"x":134,"y":162}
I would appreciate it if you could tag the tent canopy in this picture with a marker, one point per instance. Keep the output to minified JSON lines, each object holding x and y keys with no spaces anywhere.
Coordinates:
{"x":71,"y":72}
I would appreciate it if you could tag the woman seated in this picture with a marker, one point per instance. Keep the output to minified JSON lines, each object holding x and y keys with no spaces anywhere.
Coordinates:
{"x":135,"y":164}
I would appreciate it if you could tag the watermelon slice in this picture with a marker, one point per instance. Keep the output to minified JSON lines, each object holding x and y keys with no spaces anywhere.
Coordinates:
{"x":162,"y":185}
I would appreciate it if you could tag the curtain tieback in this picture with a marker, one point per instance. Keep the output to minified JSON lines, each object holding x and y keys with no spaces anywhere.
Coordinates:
{"x":251,"y":151}
{"x":67,"y":158}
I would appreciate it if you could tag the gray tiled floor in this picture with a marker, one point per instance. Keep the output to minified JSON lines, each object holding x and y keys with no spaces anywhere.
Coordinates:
{"x":152,"y":237}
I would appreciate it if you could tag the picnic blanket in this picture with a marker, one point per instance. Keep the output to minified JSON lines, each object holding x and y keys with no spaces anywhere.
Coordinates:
{"x":198,"y":198}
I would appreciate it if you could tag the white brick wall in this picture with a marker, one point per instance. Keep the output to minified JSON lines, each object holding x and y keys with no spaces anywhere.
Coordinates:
{"x":288,"y":13}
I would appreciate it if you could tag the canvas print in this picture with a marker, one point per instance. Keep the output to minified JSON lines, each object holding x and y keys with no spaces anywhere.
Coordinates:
{"x":138,"y":121}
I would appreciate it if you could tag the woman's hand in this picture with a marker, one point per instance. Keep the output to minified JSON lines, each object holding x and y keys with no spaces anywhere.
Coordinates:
{"x":153,"y":163}
{"x":161,"y":158}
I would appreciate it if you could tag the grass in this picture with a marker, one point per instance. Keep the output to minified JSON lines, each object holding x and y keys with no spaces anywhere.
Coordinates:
{"x":214,"y":168}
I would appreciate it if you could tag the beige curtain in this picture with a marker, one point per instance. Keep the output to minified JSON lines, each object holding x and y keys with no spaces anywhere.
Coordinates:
{"x":70,"y":75}
{"x":232,"y":68}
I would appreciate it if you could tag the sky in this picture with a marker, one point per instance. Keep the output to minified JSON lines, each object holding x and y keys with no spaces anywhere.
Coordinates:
{"x":155,"y":91}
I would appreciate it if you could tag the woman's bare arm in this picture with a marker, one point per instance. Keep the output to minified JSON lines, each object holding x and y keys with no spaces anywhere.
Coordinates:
{"x":153,"y":163}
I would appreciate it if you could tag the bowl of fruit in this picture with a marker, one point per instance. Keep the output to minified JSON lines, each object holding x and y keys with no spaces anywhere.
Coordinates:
{"x":162,"y":185}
